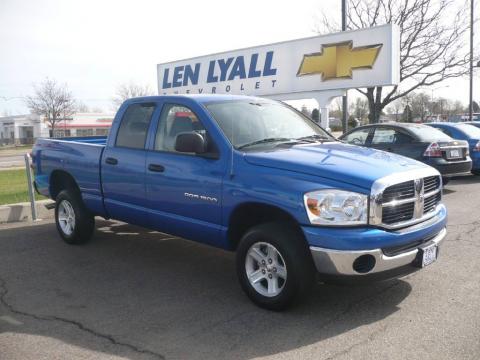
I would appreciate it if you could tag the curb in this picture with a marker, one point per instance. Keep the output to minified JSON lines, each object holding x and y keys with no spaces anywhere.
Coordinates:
{"x":22,"y":212}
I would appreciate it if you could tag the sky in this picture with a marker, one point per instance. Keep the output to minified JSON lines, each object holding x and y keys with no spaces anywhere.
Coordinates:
{"x":94,"y":46}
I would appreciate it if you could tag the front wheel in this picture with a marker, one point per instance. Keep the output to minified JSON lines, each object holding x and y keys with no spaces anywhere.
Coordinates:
{"x":274,"y":266}
{"x":75,"y":223}
{"x":476,"y":172}
{"x":445,"y":180}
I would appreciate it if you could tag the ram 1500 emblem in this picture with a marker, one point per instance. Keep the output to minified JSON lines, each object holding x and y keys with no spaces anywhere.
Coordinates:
{"x":201,"y":197}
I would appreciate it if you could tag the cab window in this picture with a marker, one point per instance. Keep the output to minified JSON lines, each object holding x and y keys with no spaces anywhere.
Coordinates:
{"x":133,"y":129}
{"x":176,"y":119}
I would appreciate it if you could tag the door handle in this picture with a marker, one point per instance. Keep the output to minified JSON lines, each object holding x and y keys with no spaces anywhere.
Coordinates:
{"x":111,"y":161}
{"x":156,"y":168}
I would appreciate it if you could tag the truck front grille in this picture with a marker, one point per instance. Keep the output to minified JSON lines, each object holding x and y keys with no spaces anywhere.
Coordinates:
{"x":400,"y":191}
{"x":394,"y":214}
{"x":406,"y":202}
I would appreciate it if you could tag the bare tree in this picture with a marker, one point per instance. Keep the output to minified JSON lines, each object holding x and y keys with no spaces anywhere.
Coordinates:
{"x":359,"y":109}
{"x":129,"y":90}
{"x":431,"y":43}
{"x":395,"y":108}
{"x":82,"y":107}
{"x":55,"y":102}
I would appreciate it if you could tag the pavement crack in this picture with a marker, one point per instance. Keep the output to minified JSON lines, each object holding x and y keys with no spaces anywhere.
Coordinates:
{"x":369,"y":338}
{"x":77,"y":324}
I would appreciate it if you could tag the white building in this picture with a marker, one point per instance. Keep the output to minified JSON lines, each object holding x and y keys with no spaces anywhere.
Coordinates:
{"x":24,"y":129}
{"x":21,"y":129}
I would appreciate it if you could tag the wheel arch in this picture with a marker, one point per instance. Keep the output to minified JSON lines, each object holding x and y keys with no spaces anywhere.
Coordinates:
{"x":61,"y":180}
{"x":250,"y":214}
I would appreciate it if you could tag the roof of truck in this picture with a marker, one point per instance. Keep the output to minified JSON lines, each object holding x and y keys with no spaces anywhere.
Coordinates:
{"x":202,"y":98}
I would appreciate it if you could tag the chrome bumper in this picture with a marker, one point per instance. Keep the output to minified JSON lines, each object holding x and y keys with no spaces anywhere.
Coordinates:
{"x":340,"y":262}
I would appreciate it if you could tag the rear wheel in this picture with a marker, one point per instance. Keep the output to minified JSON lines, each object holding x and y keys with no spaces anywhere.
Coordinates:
{"x":75,"y":223}
{"x":274,"y":266}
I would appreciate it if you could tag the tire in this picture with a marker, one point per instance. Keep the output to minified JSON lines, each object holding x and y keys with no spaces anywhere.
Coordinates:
{"x":445,"y":180}
{"x":476,"y":172}
{"x":291,"y":268}
{"x":75,"y":223}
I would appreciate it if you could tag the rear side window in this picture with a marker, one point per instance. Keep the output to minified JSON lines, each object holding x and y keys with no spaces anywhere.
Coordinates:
{"x":383,"y":136}
{"x":358,"y":137}
{"x":134,"y":126}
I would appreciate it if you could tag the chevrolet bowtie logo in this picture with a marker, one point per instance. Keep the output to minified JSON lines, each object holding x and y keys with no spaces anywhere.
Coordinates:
{"x":338,"y":60}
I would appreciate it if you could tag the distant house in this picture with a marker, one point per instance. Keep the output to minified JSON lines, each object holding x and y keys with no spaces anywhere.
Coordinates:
{"x":24,"y":129}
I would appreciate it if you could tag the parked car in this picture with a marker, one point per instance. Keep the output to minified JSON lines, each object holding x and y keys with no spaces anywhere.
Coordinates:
{"x":417,"y":141}
{"x":474,"y":123}
{"x":253,"y":176}
{"x":467,"y":132}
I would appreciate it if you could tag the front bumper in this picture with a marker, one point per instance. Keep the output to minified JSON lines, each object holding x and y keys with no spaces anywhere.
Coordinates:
{"x":340,"y":262}
{"x":335,"y":250}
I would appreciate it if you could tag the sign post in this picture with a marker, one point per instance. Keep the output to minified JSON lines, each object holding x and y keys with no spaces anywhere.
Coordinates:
{"x":319,"y":67}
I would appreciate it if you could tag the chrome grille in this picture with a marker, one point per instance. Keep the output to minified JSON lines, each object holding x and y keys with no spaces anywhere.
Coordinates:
{"x":431,"y":203}
{"x":394,"y":214}
{"x":431,"y":183}
{"x":395,"y":203}
{"x":400,"y":191}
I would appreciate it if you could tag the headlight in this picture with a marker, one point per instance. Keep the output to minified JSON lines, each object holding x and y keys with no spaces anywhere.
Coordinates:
{"x":336,"y":207}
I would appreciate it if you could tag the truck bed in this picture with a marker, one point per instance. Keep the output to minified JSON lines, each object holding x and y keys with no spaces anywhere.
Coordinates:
{"x":80,"y":157}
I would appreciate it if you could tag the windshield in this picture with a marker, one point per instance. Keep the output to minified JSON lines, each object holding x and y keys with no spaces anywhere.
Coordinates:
{"x":470,"y":130}
{"x":428,"y":133}
{"x":255,"y":123}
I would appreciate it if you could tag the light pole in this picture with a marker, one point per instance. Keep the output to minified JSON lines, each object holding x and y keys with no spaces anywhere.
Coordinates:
{"x":345,"y":97}
{"x":470,"y":108}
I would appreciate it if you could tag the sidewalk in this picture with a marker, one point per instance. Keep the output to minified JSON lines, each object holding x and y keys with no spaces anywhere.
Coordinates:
{"x":22,"y":211}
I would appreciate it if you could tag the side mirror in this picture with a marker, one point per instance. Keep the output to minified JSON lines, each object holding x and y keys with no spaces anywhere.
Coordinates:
{"x":190,"y":142}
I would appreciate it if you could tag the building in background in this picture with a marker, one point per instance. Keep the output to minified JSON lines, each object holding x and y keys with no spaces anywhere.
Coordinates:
{"x":83,"y":124}
{"x":24,"y":129}
{"x":21,"y":129}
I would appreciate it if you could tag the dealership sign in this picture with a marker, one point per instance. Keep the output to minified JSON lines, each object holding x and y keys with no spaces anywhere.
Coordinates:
{"x":350,"y":59}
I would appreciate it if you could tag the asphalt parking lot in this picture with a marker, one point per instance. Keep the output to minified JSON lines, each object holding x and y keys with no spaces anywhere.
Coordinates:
{"x":136,"y":294}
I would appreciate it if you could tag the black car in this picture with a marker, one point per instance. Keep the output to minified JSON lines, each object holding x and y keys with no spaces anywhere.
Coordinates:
{"x":420,"y":142}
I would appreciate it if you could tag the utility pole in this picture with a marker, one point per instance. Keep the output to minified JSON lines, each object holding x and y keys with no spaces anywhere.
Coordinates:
{"x":470,"y":107}
{"x":345,"y":97}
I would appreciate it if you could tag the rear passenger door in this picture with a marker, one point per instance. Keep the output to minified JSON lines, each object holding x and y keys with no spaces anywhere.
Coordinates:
{"x":123,"y":165}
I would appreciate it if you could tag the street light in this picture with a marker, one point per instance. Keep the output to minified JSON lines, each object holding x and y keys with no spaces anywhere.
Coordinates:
{"x":344,"y":97}
{"x":470,"y":108}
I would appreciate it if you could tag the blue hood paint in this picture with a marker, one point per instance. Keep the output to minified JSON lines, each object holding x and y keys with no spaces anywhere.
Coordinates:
{"x":336,"y":161}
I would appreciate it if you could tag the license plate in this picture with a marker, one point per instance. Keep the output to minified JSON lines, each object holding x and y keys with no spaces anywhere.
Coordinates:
{"x":429,"y":255}
{"x":455,"y":153}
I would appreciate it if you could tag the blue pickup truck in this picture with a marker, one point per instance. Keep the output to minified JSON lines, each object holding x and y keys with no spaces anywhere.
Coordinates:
{"x":253,"y":176}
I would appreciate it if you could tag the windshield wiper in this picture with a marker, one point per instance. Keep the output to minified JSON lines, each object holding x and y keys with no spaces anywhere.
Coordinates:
{"x":263,"y":141}
{"x":316,"y":137}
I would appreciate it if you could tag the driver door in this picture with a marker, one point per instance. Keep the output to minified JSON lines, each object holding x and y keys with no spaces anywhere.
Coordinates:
{"x":184,"y":190}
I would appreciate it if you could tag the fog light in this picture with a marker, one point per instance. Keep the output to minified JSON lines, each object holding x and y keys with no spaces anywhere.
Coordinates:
{"x":363,"y":264}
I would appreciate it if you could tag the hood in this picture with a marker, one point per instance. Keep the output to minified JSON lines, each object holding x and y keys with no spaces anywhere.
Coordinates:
{"x":336,"y":161}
